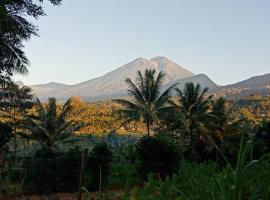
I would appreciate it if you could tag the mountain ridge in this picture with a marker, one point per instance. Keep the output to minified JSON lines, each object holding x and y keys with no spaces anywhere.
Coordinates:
{"x":112,"y":84}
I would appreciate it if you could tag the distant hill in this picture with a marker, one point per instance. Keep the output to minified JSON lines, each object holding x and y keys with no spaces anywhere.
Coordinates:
{"x":49,"y":89}
{"x":257,"y":85}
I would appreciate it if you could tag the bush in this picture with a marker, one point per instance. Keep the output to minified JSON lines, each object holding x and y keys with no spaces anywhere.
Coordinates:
{"x":98,"y":164}
{"x":123,"y":175}
{"x":263,"y":136}
{"x":7,"y":188}
{"x":159,"y":154}
{"x":53,"y":172}
{"x":5,"y":134}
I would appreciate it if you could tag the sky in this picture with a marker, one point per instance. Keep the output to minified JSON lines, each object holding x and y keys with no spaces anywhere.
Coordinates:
{"x":82,"y":39}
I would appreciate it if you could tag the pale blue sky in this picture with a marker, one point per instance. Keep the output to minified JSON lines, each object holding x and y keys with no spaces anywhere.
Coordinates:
{"x":226,"y":39}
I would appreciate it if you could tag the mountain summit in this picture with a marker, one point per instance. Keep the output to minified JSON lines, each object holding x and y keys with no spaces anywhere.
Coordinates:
{"x":113,"y":83}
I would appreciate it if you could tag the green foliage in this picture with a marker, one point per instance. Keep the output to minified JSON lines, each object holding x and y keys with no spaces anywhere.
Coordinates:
{"x":5,"y":134}
{"x":6,"y":188}
{"x":123,"y":174}
{"x":159,"y":154}
{"x":263,"y":135}
{"x":98,"y":165}
{"x":53,"y":172}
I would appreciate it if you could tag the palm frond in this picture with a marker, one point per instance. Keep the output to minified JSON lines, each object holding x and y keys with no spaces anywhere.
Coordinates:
{"x":165,"y":96}
{"x":135,"y":92}
{"x":157,"y":86}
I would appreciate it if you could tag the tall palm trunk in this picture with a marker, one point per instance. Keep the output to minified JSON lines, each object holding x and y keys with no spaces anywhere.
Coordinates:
{"x":192,"y":138}
{"x":148,"y":127}
{"x":2,"y":158}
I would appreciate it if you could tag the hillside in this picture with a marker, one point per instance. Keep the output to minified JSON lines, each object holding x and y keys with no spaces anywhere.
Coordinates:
{"x":257,"y":85}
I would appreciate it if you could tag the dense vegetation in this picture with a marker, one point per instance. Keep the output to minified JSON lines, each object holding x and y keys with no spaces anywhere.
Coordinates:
{"x":188,"y":144}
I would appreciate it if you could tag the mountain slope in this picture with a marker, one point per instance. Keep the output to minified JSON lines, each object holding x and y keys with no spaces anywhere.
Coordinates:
{"x":48,"y":90}
{"x":113,"y":83}
{"x":202,"y":79}
{"x":257,"y":85}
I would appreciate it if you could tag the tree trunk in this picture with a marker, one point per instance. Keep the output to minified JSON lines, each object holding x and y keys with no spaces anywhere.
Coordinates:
{"x":2,"y":158}
{"x":148,"y":127}
{"x":82,"y":172}
{"x":192,"y":138}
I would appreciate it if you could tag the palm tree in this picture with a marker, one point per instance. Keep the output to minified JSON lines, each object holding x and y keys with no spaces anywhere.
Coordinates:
{"x":193,"y":106}
{"x":48,"y":126}
{"x":226,"y":124}
{"x":147,"y":103}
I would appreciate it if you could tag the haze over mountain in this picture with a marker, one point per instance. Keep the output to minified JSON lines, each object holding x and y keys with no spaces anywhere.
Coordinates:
{"x":112,"y":84}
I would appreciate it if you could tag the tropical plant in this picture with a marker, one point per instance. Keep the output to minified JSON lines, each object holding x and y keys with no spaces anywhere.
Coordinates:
{"x":48,"y":126}
{"x":147,"y":103}
{"x":193,"y":105}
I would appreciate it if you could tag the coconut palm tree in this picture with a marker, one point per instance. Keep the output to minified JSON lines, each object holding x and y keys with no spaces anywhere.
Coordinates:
{"x":147,"y":103}
{"x":226,"y":124}
{"x":193,"y":106}
{"x":48,"y":126}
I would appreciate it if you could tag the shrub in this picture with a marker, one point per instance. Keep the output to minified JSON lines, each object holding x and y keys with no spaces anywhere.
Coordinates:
{"x":159,"y":154}
{"x":5,"y":134}
{"x":53,"y":172}
{"x":98,"y":165}
{"x":263,"y":136}
{"x":123,"y":175}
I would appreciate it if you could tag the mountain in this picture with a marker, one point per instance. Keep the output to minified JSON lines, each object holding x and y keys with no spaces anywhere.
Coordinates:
{"x":202,"y":79}
{"x":112,"y":84}
{"x":49,"y":89}
{"x":257,"y":85}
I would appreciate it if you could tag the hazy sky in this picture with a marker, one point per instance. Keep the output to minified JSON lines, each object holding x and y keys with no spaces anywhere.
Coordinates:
{"x":226,"y":39}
